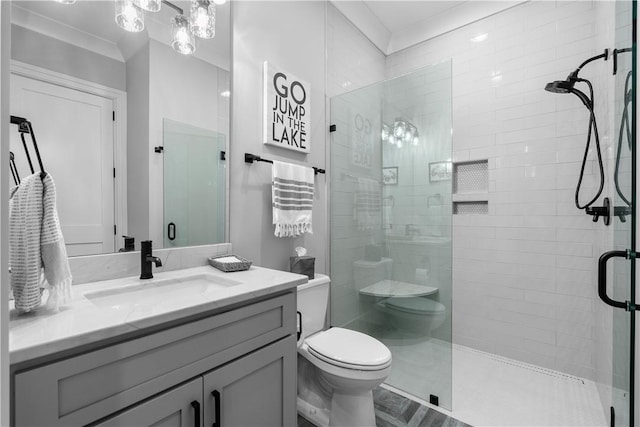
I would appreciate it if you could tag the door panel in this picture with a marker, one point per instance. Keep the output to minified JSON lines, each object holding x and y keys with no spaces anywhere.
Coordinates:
{"x":179,"y":407}
{"x":74,"y":132}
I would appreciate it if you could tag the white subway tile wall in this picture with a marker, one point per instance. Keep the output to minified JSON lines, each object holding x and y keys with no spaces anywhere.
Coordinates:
{"x":524,"y":275}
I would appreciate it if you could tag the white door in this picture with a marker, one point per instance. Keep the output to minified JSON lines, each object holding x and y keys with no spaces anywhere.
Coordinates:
{"x":74,"y":132}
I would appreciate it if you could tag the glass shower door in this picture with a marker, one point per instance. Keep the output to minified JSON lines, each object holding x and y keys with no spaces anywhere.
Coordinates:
{"x":194,"y":185}
{"x":391,"y":224}
{"x":623,"y":222}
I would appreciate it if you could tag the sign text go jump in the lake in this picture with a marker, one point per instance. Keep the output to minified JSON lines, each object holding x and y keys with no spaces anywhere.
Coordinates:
{"x":286,"y":110}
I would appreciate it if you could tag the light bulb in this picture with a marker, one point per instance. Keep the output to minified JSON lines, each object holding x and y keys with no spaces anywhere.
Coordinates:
{"x":129,"y":16}
{"x":148,"y":5}
{"x":183,"y":40}
{"x":398,"y":129}
{"x":384,"y":134}
{"x":203,"y":19}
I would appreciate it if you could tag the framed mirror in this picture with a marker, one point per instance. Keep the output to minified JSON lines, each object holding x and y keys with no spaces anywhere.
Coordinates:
{"x":104,"y":103}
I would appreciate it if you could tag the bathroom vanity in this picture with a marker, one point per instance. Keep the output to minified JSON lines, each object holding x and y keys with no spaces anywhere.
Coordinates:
{"x":205,"y":348}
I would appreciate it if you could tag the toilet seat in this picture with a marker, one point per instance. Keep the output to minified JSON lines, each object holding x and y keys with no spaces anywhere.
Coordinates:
{"x":418,"y":305}
{"x":349,"y":349}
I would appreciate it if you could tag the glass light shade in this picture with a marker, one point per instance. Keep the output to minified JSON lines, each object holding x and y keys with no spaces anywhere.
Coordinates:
{"x":399,"y":128}
{"x":129,"y":16}
{"x":148,"y":5}
{"x":384,"y":134}
{"x":203,"y":19}
{"x":183,"y":41}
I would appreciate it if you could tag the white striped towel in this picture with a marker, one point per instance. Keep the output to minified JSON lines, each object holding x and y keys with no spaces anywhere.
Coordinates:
{"x":292,"y":199}
{"x":37,"y":246}
{"x":367,"y":204}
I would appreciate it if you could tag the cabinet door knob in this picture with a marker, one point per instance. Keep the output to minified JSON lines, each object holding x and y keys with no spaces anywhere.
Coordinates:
{"x":196,"y":412}
{"x":216,"y":408}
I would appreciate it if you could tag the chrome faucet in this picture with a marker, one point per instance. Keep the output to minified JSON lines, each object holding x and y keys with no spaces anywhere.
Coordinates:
{"x":146,"y":259}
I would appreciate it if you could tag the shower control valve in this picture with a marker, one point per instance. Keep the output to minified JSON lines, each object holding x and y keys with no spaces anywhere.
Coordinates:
{"x":600,"y":211}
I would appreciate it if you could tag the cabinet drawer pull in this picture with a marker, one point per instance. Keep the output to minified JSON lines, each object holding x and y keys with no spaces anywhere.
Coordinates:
{"x":196,"y":412}
{"x":216,"y":408}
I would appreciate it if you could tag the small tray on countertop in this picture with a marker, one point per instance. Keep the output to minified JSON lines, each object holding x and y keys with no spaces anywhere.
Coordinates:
{"x":229,"y":263}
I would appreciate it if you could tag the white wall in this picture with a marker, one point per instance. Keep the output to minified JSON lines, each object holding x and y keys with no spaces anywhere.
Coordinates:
{"x":5,"y":49}
{"x":290,"y":35}
{"x":524,"y":274}
{"x":165,"y":85}
{"x":183,"y":89}
{"x":138,"y":149}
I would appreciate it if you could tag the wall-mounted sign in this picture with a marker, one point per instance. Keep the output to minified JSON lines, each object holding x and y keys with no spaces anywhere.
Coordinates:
{"x":361,"y":142}
{"x":287,"y":118}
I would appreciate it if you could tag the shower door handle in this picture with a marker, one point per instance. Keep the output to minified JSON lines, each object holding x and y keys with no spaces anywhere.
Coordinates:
{"x":602,"y":278}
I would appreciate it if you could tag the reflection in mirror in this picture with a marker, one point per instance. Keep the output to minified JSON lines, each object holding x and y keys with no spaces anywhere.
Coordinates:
{"x":194,"y":185}
{"x":97,"y":97}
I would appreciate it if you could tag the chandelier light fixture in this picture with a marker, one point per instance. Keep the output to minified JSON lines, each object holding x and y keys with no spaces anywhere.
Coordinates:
{"x":201,"y":23}
{"x":400,"y":133}
{"x":148,"y":5}
{"x":203,"y":19}
{"x":129,"y":16}
{"x":183,"y":40}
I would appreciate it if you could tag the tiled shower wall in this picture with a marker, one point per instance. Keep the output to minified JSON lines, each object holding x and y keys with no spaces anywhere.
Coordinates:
{"x":524,"y":274}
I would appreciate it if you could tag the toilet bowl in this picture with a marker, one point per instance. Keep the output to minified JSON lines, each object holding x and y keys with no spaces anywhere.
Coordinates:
{"x":414,"y":315}
{"x":337,"y":368}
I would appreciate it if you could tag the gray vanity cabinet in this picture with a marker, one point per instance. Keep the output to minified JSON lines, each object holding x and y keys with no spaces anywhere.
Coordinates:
{"x":179,"y":407}
{"x":247,"y":354}
{"x":253,"y":391}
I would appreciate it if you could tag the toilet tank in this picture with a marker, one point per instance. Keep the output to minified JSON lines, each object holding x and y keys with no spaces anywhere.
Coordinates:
{"x":313,"y":301}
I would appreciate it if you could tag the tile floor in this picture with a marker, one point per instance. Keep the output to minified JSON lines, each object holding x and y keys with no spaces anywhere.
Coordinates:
{"x":490,"y":390}
{"x":394,"y":410}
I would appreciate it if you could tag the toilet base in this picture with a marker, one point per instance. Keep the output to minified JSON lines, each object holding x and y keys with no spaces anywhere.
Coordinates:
{"x":318,"y":416}
{"x":349,"y":410}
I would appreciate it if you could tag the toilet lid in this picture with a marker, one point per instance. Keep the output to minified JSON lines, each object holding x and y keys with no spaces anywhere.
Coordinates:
{"x":415,"y":305}
{"x":349,"y":349}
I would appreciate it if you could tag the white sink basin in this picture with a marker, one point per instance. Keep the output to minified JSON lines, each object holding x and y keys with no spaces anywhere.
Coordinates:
{"x":155,"y":293}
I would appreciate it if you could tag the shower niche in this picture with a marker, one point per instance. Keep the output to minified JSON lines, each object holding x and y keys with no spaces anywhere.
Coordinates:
{"x":471,"y":187}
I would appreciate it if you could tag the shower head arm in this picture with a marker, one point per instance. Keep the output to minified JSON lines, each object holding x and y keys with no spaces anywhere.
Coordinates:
{"x":604,"y":55}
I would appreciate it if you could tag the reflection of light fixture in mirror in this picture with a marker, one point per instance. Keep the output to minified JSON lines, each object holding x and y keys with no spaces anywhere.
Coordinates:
{"x":129,"y":16}
{"x":203,"y":19}
{"x":400,"y":133}
{"x":148,"y":5}
{"x":219,"y":2}
{"x":183,"y":40}
{"x":66,"y":1}
{"x":225,"y":93}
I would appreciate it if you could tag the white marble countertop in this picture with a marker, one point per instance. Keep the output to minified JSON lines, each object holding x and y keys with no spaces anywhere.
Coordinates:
{"x":147,"y":303}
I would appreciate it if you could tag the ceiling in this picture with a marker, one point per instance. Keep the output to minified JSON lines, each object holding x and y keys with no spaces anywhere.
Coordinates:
{"x":91,"y":24}
{"x":393,"y":25}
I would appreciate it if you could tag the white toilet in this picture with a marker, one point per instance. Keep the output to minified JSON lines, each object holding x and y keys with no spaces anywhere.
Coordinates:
{"x":417,"y":315}
{"x":337,"y":368}
{"x":409,"y":315}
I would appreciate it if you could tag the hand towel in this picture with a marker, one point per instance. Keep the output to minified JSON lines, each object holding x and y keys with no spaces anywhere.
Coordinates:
{"x":35,"y":242}
{"x":292,"y":199}
{"x":367,"y":205}
{"x":55,"y":261}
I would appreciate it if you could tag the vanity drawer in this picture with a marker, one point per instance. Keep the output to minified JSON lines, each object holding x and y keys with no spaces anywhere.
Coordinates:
{"x":85,"y":388}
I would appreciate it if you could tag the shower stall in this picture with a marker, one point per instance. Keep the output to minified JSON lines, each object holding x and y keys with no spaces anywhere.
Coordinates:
{"x":502,"y":296}
{"x":391,"y":185}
